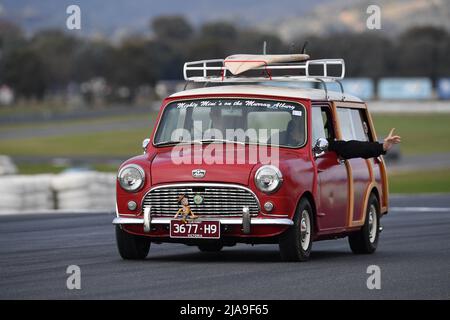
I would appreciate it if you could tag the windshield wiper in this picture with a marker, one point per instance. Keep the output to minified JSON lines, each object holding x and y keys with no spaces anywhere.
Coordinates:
{"x":173,"y":142}
{"x":219,"y":140}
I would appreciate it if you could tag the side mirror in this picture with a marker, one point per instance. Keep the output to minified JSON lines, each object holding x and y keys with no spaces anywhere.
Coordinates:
{"x":320,"y":147}
{"x":145,"y":144}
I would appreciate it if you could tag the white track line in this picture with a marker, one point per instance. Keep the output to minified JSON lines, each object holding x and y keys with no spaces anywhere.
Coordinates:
{"x":420,"y":209}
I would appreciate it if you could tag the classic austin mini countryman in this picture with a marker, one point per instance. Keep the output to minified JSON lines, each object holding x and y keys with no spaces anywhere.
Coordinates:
{"x":244,"y":158}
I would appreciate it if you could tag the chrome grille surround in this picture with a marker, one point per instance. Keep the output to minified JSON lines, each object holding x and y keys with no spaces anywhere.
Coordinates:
{"x":218,"y":199}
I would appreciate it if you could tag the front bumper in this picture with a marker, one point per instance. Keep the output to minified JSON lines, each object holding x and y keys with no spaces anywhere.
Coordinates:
{"x":246,"y":221}
{"x":230,"y":221}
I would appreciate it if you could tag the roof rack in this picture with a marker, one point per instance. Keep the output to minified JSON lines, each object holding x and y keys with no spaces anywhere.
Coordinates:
{"x":215,"y":71}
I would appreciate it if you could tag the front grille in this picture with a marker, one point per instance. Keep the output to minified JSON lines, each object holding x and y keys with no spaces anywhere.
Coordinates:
{"x":217,"y":200}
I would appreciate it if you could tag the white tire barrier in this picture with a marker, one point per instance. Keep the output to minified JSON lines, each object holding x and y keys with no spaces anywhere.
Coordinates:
{"x":85,"y":190}
{"x":21,"y":192}
{"x":68,"y":191}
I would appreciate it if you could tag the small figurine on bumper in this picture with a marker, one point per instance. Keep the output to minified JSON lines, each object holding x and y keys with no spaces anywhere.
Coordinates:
{"x":185,"y":210}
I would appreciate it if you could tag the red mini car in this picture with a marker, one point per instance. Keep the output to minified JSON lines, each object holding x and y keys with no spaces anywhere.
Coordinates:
{"x":248,"y":163}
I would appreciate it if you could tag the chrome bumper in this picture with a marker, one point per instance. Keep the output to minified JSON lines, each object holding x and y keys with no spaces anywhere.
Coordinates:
{"x":230,"y":221}
{"x":246,"y":221}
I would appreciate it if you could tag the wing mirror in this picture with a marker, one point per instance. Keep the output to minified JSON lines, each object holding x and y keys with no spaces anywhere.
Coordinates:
{"x":145,"y":144}
{"x":320,"y":147}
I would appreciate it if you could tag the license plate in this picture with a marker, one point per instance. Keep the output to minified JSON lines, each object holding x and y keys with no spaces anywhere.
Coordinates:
{"x":195,"y":229}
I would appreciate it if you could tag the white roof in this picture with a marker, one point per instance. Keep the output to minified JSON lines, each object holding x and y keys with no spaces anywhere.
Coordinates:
{"x":301,"y":93}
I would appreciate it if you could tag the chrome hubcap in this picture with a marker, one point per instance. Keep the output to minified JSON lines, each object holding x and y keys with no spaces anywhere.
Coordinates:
{"x":373,"y":224}
{"x":305,"y":230}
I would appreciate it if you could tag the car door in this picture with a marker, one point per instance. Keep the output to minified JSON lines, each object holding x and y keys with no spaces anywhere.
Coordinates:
{"x":332,"y":182}
{"x":352,"y":127}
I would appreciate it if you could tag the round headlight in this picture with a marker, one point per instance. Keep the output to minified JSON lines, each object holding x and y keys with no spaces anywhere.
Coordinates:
{"x":131,"y":177}
{"x":268,"y":178}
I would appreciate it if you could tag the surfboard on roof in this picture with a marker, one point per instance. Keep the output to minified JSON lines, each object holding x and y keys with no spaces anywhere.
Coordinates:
{"x":239,"y":63}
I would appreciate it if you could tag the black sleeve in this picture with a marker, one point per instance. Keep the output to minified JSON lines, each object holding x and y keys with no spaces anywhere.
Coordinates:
{"x":356,"y":149}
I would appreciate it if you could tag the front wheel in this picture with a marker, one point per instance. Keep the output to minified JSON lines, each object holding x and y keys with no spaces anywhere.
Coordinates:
{"x":366,"y":240}
{"x":131,"y":247}
{"x":295,"y":244}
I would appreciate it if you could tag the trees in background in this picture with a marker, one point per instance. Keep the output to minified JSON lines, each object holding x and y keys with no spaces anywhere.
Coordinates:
{"x":50,"y":60}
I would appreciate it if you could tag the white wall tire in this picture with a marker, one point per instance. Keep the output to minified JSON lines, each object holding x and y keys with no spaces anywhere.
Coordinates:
{"x":296,"y":243}
{"x":365,"y":240}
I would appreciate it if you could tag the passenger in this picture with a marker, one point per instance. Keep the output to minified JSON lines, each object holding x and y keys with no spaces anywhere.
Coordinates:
{"x":363,"y":149}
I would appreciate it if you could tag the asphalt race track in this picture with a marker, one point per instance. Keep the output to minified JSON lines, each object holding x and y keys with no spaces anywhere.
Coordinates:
{"x":413,"y":255}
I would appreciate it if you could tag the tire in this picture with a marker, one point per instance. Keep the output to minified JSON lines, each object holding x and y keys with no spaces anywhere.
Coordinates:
{"x":131,"y":247}
{"x":295,"y":244}
{"x":210,"y":246}
{"x":365,"y":240}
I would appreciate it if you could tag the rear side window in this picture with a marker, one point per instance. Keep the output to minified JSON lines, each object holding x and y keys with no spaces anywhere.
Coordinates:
{"x":359,"y":127}
{"x":352,"y":123}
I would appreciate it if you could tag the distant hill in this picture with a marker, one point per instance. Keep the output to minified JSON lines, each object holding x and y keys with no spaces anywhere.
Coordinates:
{"x":351,"y":16}
{"x":288,"y":18}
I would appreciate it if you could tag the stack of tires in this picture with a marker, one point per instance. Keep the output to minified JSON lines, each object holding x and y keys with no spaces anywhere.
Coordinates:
{"x":19,"y":193}
{"x":85,"y":190}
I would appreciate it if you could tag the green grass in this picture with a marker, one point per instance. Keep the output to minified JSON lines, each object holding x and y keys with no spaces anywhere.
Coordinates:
{"x":429,"y":181}
{"x":421,"y":133}
{"x":29,"y":168}
{"x":114,"y":143}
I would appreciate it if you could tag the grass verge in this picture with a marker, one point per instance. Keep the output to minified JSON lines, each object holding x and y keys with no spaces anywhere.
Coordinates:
{"x":427,"y":181}
{"x":421,"y":133}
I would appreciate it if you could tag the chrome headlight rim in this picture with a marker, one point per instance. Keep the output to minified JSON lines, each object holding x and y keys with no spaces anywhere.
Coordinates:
{"x":277,"y":173}
{"x":141,"y":172}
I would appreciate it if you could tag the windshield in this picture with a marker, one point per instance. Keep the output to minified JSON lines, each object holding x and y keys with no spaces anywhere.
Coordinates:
{"x":250,"y":121}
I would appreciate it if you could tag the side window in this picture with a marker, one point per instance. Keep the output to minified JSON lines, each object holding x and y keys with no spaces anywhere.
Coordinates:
{"x":353,"y":127}
{"x":321,"y":123}
{"x":345,"y":122}
{"x":360,"y":132}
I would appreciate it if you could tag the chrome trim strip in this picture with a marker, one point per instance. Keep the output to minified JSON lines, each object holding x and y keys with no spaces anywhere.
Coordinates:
{"x":202,"y":184}
{"x":232,"y":221}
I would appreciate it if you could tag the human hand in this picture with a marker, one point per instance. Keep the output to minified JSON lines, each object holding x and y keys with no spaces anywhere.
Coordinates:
{"x":390,"y":140}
